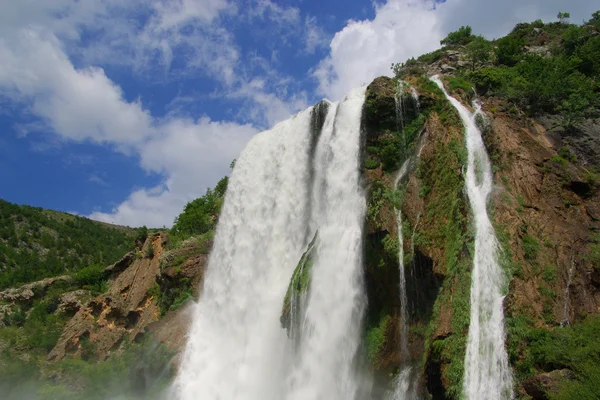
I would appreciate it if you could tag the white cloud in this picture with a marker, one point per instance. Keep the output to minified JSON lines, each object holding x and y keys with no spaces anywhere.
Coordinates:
{"x":77,"y":104}
{"x":192,"y":154}
{"x":83,"y":104}
{"x":363,"y":50}
{"x":315,"y":37}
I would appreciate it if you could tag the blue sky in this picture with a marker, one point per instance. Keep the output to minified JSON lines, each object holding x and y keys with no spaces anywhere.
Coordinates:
{"x":125,"y":110}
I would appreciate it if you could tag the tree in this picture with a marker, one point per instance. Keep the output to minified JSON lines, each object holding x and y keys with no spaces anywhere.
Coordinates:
{"x":478,"y":51}
{"x":460,"y":37}
{"x":563,"y":17}
{"x":510,"y":50}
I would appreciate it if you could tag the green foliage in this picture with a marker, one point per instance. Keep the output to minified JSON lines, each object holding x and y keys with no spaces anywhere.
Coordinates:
{"x":375,"y":339}
{"x":300,"y":280}
{"x":37,"y":243}
{"x":371,"y":164}
{"x":594,"y":251}
{"x":530,"y":247}
{"x":460,"y":37}
{"x":381,"y":197}
{"x":575,"y":348}
{"x":142,"y":234}
{"x":549,"y":273}
{"x":150,"y":251}
{"x":563,"y":17}
{"x":455,"y":83}
{"x":200,"y":216}
{"x":173,"y":297}
{"x":478,"y":51}
{"x":510,"y":50}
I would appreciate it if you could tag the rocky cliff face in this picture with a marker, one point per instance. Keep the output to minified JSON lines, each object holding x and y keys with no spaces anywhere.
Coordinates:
{"x":544,"y":209}
{"x":131,"y":307}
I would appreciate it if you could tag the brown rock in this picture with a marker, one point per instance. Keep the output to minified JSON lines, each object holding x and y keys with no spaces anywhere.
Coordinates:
{"x":119,"y":314}
{"x":541,"y":386}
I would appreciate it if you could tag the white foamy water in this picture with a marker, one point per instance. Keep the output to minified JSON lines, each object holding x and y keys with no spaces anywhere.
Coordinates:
{"x":331,"y":329}
{"x":237,"y":348}
{"x":487,"y":373}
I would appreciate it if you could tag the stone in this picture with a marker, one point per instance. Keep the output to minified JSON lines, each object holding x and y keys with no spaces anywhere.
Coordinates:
{"x":71,"y":302}
{"x":446,"y":69}
{"x":27,"y":293}
{"x":542,"y":386}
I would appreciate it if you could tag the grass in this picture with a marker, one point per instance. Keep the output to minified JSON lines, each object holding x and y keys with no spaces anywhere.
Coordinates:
{"x":376,"y":338}
{"x":530,"y":247}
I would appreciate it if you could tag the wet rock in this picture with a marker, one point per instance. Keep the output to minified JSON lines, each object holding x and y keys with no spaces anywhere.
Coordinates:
{"x":542,"y":386}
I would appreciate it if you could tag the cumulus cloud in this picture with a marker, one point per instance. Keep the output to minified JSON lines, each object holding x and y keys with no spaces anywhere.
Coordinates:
{"x":191,"y":153}
{"x":77,"y":104}
{"x":363,"y":50}
{"x":83,"y":104}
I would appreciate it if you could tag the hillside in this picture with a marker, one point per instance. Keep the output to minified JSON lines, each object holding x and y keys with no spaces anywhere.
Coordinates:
{"x":114,"y":310}
{"x":37,"y":243}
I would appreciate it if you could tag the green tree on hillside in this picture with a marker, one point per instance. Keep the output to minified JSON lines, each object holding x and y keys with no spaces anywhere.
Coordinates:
{"x":478,"y":51}
{"x":460,"y":37}
{"x":509,"y":50}
{"x":563,"y":17}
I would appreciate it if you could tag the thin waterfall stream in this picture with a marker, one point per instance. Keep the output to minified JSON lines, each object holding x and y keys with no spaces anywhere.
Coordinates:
{"x":487,"y":372}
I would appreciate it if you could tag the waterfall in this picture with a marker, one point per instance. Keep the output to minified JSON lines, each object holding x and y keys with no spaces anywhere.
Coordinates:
{"x":331,"y":329}
{"x":300,"y":176}
{"x":402,"y":272}
{"x":487,"y":373}
{"x":235,"y":344}
{"x":404,"y":388}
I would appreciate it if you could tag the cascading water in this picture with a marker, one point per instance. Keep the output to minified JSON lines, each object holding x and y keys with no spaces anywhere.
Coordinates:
{"x":402,"y":273}
{"x":331,"y":328}
{"x":235,"y":342}
{"x":405,"y":388}
{"x":487,"y":373}
{"x":287,"y":183}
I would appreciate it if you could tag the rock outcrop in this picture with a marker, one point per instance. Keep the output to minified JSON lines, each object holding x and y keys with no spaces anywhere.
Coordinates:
{"x":138,"y":289}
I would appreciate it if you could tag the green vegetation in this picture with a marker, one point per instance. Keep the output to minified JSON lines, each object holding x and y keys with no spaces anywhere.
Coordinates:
{"x":479,"y":51}
{"x":564,"y":81}
{"x":375,"y":339}
{"x":201,"y":215}
{"x":300,"y":280}
{"x":575,"y":348}
{"x":530,"y":247}
{"x":460,"y":37}
{"x":37,"y":243}
{"x":92,"y":278}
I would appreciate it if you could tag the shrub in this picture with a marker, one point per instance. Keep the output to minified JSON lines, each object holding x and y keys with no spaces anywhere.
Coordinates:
{"x":509,"y":50}
{"x":530,"y":247}
{"x":460,"y":37}
{"x":92,"y":275}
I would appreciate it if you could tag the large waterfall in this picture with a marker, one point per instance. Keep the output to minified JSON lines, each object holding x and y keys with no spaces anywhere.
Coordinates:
{"x":288,"y":181}
{"x":487,"y":373}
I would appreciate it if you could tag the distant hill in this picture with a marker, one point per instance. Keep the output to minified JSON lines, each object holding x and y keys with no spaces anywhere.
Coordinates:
{"x":36,"y":243}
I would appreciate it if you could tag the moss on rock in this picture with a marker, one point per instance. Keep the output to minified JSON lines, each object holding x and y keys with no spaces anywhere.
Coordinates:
{"x":299,"y":282}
